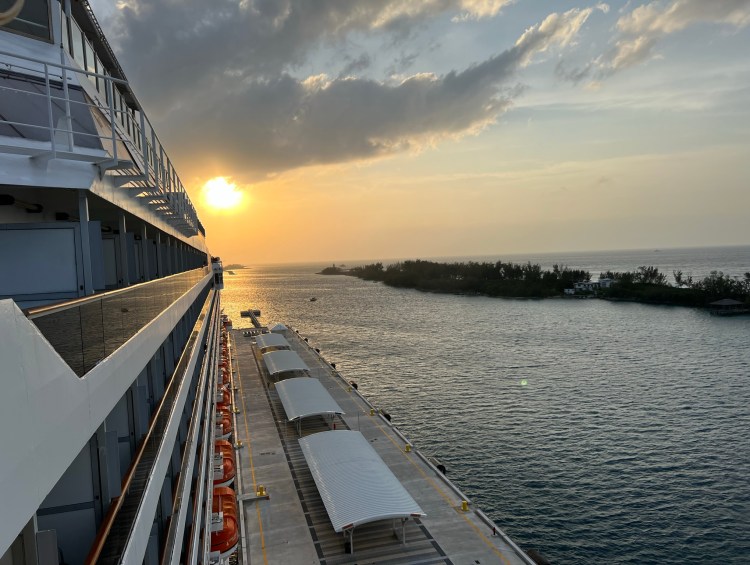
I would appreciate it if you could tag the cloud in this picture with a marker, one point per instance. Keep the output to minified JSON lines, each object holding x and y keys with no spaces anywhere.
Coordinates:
{"x":556,"y":29}
{"x":640,"y":30}
{"x":188,"y":39}
{"x":353,"y":66}
{"x":226,"y":73}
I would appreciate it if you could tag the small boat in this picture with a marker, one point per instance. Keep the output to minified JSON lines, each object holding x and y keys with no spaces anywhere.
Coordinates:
{"x":225,"y":532}
{"x":224,"y":426}
{"x":313,"y":299}
{"x":225,"y":468}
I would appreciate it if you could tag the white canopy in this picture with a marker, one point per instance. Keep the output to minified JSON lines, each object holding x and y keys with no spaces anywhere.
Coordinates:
{"x":265,"y":341}
{"x":305,"y":396}
{"x":355,"y":484}
{"x":283,"y":361}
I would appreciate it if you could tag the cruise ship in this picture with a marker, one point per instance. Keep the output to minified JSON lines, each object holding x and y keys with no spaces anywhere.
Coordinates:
{"x":109,"y":310}
{"x":136,"y":425}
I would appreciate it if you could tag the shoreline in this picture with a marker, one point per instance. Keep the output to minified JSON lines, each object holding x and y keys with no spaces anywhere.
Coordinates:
{"x":644,"y":286}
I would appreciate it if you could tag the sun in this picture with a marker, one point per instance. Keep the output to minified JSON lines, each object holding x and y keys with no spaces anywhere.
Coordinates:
{"x":221,"y":194}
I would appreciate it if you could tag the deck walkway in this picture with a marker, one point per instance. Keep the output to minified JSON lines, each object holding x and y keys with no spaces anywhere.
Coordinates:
{"x":291,"y":525}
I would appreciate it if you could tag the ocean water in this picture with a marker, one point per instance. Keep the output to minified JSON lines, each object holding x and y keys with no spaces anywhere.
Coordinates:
{"x":595,"y":432}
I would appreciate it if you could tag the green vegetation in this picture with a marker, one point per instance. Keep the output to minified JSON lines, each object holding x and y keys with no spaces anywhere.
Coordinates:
{"x":334,"y":270}
{"x":646,"y":284}
{"x":491,"y":279}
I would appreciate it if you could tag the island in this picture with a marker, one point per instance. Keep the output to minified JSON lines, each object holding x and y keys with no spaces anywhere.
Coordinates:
{"x":234,"y":266}
{"x":334,"y":270}
{"x":512,"y":280}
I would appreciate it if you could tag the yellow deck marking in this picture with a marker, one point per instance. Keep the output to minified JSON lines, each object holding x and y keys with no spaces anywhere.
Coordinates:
{"x":250,"y":454}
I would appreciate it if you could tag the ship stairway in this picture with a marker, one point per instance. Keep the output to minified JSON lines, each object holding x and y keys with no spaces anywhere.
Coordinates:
{"x":376,"y":542}
{"x":115,"y":533}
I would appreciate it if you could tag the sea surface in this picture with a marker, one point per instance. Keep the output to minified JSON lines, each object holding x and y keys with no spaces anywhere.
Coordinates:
{"x":595,"y":432}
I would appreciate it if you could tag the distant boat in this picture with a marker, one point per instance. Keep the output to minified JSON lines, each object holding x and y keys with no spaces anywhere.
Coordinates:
{"x":313,"y":299}
{"x":230,"y":272}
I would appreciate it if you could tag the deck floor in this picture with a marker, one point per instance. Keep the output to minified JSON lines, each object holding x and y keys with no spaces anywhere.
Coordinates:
{"x":292,"y":526}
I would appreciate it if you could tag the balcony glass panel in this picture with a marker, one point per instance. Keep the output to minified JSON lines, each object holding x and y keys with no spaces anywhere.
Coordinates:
{"x":77,"y":50}
{"x":84,"y":335}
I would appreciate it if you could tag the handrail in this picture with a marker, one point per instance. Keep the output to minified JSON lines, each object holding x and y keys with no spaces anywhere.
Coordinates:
{"x":115,"y":506}
{"x":202,"y":396}
{"x":63,"y":67}
{"x":39,"y":311}
{"x":155,"y":164}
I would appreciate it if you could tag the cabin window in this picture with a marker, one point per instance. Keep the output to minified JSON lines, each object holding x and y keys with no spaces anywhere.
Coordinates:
{"x":23,"y":110}
{"x":33,"y":21}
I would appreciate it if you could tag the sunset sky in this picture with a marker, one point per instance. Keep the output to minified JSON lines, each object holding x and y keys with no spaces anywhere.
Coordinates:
{"x":364,"y":129}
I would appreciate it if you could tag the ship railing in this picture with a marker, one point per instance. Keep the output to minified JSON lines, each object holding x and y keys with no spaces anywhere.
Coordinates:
{"x":114,"y":536}
{"x":197,"y":453}
{"x":84,"y":331}
{"x":118,"y":137}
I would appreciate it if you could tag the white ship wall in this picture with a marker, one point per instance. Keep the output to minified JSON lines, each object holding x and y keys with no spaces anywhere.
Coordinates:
{"x":49,"y":414}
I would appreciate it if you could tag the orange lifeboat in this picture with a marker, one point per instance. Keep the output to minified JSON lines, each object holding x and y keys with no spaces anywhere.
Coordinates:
{"x":223,"y":397}
{"x":226,"y":539}
{"x":226,"y":377}
{"x":223,"y":423}
{"x":224,"y":464}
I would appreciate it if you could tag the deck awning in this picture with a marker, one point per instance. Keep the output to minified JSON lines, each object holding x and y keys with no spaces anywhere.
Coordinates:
{"x":283,"y":361}
{"x":264,"y":341}
{"x":355,"y":484}
{"x":305,"y":396}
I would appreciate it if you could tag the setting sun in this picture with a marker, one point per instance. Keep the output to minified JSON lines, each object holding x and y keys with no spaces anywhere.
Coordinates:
{"x":221,"y":194}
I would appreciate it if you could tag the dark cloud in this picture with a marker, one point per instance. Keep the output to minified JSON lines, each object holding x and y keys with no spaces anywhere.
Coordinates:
{"x":402,"y":63}
{"x":574,"y":75}
{"x":354,"y":66}
{"x":224,"y":72}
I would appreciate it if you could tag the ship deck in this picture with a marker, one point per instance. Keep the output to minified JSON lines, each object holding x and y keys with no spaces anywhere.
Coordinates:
{"x":291,"y":525}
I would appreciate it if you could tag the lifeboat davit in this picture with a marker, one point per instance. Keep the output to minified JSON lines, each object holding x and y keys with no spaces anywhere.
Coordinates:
{"x":225,"y":469}
{"x":223,"y":423}
{"x":225,"y":535}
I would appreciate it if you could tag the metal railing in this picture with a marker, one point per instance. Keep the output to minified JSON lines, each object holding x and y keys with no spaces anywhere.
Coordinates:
{"x":86,"y":330}
{"x":193,"y":463}
{"x":123,"y":139}
{"x":114,"y":533}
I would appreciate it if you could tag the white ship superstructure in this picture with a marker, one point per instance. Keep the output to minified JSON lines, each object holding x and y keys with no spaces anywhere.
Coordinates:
{"x":109,"y":312}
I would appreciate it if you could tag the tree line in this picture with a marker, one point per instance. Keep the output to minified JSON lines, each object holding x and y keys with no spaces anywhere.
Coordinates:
{"x":647,"y":284}
{"x":491,"y":279}
{"x":527,"y":280}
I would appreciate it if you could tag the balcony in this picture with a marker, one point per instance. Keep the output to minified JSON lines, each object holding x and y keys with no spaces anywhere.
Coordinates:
{"x":87,"y":330}
{"x":52,"y":111}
